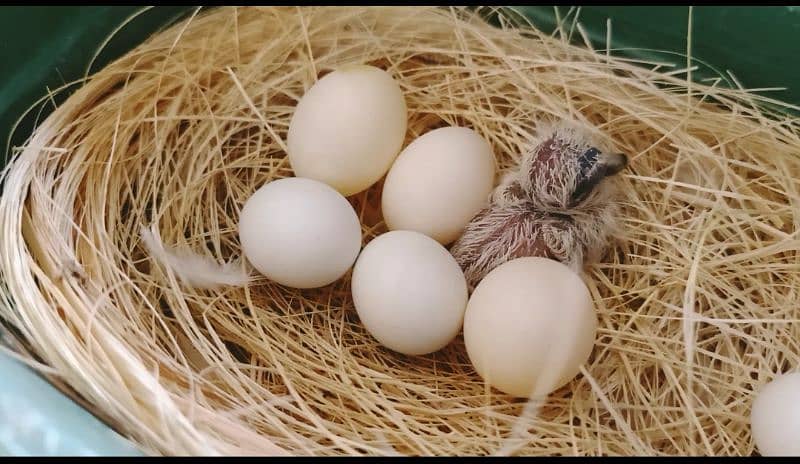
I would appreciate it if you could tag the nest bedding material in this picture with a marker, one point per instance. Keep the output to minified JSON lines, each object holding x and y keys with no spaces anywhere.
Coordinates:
{"x":696,"y":302}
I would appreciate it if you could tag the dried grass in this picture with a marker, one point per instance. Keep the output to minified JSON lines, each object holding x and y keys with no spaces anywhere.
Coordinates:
{"x":697,"y":305}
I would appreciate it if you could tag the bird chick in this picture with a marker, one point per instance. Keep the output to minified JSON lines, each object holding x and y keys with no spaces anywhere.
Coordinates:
{"x":558,"y":204}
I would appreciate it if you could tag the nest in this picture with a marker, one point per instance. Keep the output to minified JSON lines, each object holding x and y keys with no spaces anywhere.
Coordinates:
{"x":696,"y":305}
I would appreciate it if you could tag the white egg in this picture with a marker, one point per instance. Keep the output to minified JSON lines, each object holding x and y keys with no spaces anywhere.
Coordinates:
{"x":348,"y":128}
{"x":775,"y":417}
{"x":409,"y":292}
{"x":299,"y":232}
{"x":529,"y":325}
{"x":438,"y":183}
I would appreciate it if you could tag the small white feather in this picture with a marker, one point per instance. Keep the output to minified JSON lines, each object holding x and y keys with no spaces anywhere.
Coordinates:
{"x":193,"y":269}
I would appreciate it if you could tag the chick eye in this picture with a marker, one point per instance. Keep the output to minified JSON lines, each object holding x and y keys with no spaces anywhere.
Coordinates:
{"x":588,"y":176}
{"x":588,"y":160}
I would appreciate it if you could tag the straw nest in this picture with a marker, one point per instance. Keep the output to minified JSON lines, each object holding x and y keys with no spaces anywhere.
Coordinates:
{"x":697,"y":303}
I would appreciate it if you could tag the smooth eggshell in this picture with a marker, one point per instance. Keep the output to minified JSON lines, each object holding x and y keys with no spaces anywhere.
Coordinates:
{"x":775,"y":417}
{"x":409,"y":292}
{"x":438,"y":183}
{"x":348,"y":128}
{"x":529,"y":325}
{"x":299,"y":232}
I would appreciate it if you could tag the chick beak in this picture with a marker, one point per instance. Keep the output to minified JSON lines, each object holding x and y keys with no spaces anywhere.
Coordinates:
{"x":614,"y":163}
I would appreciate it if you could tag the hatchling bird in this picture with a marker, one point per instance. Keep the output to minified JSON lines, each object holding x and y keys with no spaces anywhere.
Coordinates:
{"x":560,"y":203}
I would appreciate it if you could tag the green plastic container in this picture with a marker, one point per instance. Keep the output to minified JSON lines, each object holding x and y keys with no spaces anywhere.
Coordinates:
{"x":45,"y":47}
